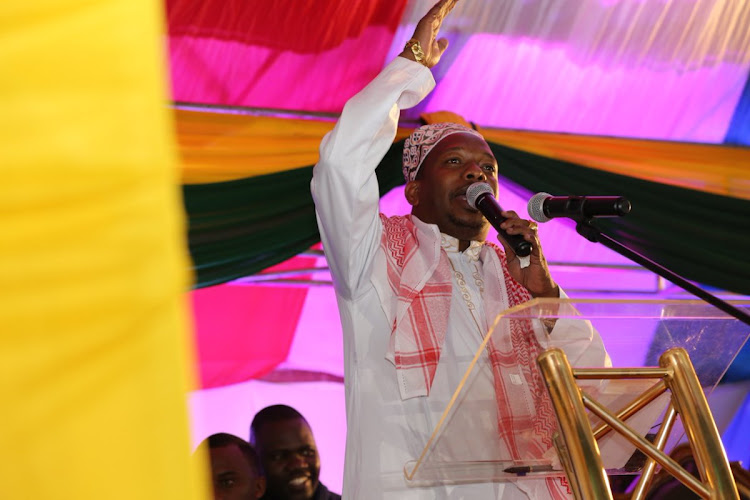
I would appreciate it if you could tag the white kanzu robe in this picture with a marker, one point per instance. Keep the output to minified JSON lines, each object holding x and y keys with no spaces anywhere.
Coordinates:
{"x":384,"y":431}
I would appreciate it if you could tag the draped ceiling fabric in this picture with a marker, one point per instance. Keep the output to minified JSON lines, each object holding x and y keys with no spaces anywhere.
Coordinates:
{"x":288,"y":54}
{"x":247,"y":216}
{"x":648,"y":68}
{"x":654,"y":69}
{"x":248,"y":346}
{"x":672,"y":73}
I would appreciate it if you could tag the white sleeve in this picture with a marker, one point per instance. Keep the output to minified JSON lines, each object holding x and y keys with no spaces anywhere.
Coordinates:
{"x":344,"y":186}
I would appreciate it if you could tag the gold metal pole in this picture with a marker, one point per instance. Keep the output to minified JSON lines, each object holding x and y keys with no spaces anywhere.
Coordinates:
{"x":575,"y":429}
{"x":607,"y":373}
{"x":567,"y":465}
{"x":633,"y":407}
{"x":639,"y":492}
{"x":688,"y":397}
{"x":664,"y":460}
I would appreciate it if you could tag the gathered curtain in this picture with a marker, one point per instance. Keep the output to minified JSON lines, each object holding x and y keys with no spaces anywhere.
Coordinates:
{"x":281,"y":54}
{"x":691,"y":201}
{"x":669,"y":70}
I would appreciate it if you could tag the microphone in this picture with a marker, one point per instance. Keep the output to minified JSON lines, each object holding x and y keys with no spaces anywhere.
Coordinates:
{"x":480,"y":197}
{"x":543,"y":207}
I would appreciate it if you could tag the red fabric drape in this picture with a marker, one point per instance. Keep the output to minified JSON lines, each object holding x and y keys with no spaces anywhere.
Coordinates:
{"x":282,"y":54}
{"x":307,"y":27}
{"x":244,"y":332}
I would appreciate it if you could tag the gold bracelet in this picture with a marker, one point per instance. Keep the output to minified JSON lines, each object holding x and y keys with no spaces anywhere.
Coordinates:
{"x":416,"y":49}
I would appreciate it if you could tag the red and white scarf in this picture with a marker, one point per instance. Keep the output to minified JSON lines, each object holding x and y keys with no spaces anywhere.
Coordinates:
{"x":419,"y":275}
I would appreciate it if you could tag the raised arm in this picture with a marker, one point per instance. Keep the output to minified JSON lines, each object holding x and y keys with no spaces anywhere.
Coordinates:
{"x":344,"y":185}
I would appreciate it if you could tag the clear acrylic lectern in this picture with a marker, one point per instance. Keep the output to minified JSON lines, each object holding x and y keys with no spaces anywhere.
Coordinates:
{"x":467,"y":444}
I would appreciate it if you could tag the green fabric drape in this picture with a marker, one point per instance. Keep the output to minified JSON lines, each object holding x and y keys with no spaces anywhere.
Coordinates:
{"x":241,"y":227}
{"x":700,"y":236}
{"x":238,"y":228}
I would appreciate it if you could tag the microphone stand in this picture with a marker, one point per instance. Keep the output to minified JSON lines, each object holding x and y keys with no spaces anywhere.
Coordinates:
{"x":594,"y":234}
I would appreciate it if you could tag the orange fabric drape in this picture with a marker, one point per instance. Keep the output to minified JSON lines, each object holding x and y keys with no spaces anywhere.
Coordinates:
{"x":219,"y":147}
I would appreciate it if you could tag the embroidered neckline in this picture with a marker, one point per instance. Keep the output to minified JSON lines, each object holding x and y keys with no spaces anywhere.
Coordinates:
{"x":450,"y":244}
{"x":461,"y":282}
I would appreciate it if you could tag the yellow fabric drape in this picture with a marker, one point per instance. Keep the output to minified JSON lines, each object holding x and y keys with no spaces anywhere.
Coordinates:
{"x":217,"y":147}
{"x":94,"y":354}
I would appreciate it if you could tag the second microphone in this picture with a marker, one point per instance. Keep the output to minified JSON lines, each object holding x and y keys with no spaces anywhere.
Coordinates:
{"x":481,"y":197}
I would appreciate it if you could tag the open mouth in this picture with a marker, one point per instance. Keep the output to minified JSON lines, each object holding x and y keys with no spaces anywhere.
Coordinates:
{"x":298,"y":482}
{"x":461,"y":193}
{"x":461,"y":197}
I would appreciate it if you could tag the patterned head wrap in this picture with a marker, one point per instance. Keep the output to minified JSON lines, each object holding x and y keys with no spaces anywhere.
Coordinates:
{"x":421,"y":141}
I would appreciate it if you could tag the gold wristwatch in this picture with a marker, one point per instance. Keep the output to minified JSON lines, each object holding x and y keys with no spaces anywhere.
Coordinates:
{"x":416,"y":49}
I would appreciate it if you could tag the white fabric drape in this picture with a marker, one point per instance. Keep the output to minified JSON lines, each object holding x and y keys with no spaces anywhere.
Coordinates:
{"x":638,"y":68}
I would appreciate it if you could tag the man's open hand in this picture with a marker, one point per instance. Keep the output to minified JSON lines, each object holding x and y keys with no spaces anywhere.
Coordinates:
{"x":426,"y":33}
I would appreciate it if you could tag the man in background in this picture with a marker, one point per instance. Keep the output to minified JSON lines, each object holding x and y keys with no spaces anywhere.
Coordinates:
{"x":235,"y":468}
{"x":289,"y":456}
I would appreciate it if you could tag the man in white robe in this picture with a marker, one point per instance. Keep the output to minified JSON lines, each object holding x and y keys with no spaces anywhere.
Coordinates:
{"x":417,"y":294}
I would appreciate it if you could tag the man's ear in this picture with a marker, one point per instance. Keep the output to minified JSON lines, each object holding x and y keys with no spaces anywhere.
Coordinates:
{"x":411,"y":191}
{"x":260,"y":487}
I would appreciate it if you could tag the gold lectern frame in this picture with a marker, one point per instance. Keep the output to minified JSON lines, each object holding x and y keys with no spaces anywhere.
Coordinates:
{"x":581,"y":452}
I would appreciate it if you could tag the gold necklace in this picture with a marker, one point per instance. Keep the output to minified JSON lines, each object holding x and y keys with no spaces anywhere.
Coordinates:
{"x":465,"y":292}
